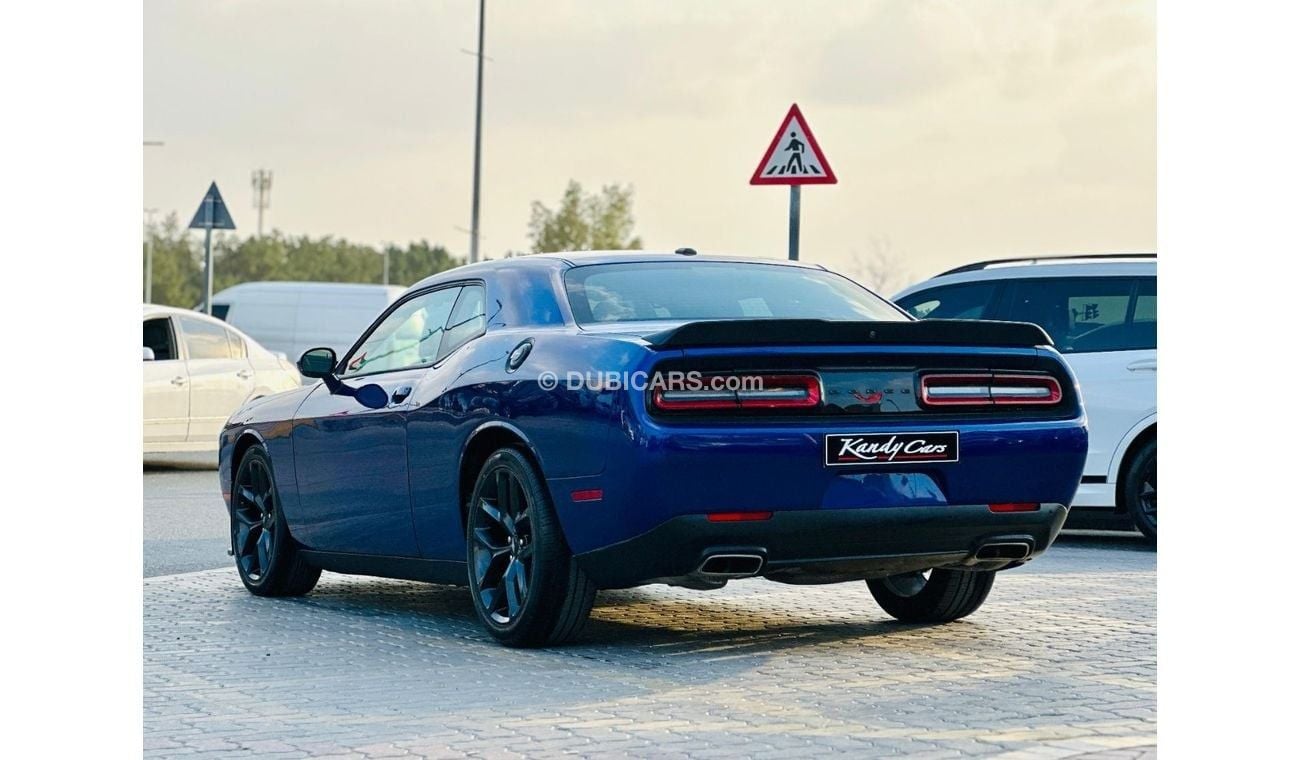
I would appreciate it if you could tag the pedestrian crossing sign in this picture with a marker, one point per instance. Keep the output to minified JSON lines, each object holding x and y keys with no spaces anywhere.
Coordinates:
{"x":794,"y":157}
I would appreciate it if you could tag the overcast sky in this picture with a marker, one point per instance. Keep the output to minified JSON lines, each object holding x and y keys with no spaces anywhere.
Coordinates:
{"x":958,"y":130}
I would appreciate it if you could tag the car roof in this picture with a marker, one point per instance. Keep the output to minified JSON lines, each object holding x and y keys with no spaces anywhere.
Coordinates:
{"x":274,"y":286}
{"x":1059,"y":266}
{"x":157,"y":310}
{"x":569,"y":259}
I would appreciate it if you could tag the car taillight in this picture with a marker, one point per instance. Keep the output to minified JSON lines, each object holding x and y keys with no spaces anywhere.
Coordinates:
{"x":989,"y":389}
{"x":736,"y":391}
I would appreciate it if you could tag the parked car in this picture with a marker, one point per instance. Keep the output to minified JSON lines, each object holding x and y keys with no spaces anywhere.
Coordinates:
{"x":530,"y":428}
{"x":1101,"y":314}
{"x":291,"y":317}
{"x":197,"y":371}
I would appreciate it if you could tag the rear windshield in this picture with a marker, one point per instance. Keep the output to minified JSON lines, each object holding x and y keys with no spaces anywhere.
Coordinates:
{"x":638,"y":292}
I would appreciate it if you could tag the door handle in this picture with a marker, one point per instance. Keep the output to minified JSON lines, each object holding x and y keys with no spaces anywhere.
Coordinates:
{"x":400,"y":395}
{"x":178,"y":380}
{"x":1145,"y":364}
{"x":244,"y":373}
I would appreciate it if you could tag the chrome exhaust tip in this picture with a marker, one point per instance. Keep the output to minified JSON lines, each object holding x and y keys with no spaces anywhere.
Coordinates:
{"x":731,"y":565}
{"x":1011,"y":550}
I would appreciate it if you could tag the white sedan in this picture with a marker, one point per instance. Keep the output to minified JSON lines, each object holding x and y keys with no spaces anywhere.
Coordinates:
{"x":197,"y":371}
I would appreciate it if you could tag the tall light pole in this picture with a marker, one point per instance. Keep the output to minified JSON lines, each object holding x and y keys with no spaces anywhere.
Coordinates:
{"x":148,"y":240}
{"x":478,"y":139}
{"x":261,"y":195}
{"x":148,"y":254}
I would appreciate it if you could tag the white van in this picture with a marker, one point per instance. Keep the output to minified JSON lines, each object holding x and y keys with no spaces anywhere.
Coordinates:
{"x":292,"y":317}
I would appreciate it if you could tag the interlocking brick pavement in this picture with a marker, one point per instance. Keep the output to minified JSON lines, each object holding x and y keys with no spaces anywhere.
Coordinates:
{"x":1060,"y":662}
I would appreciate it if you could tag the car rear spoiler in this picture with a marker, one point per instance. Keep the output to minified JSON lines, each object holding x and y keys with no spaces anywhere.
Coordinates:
{"x":798,"y":332}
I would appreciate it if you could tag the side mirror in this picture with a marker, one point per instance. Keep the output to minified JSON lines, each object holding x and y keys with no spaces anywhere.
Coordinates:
{"x":148,"y":354}
{"x":320,"y":363}
{"x":317,"y":362}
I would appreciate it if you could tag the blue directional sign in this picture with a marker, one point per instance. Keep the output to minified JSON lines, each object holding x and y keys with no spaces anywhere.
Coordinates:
{"x":212,"y":213}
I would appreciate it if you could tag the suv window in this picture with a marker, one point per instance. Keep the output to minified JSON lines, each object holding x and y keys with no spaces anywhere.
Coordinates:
{"x":204,"y":340}
{"x":408,"y":337}
{"x":1089,"y":314}
{"x":972,"y":300}
{"x":158,"y":336}
{"x":468,"y":320}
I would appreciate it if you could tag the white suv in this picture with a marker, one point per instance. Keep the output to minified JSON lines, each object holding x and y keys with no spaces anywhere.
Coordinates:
{"x":1101,"y":314}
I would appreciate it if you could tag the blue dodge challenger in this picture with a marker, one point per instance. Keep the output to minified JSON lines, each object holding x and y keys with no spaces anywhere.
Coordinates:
{"x":539,"y":428}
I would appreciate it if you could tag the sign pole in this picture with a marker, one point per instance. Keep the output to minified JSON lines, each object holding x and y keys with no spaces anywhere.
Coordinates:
{"x":207,"y":270}
{"x":212,"y":214}
{"x":793,"y":158}
{"x":794,"y":222}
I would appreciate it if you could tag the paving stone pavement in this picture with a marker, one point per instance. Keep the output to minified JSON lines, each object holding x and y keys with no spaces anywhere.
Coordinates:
{"x":1058,"y":663}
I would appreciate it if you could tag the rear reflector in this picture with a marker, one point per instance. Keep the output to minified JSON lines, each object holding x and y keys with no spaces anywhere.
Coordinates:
{"x":989,"y":389}
{"x":1014,"y":506}
{"x":589,"y":494}
{"x":738,"y":516}
{"x":739,"y":391}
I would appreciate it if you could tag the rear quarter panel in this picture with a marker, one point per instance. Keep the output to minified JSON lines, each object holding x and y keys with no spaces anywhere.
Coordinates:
{"x":565,"y":429}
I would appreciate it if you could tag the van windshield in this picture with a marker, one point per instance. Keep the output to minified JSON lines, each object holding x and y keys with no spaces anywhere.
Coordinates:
{"x":700,"y":290}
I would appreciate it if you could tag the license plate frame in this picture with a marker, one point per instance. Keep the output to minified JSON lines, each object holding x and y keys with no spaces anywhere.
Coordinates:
{"x":895,"y":448}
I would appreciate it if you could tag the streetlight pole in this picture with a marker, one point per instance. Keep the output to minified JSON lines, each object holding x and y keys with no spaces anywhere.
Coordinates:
{"x":261,"y":195}
{"x":478,"y":139}
{"x":148,"y":254}
{"x":148,"y":240}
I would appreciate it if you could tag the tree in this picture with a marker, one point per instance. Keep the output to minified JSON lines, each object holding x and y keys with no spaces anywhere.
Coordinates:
{"x":178,"y":265}
{"x":417,"y":261}
{"x":600,"y":221}
{"x":177,"y":269}
{"x":882,"y":269}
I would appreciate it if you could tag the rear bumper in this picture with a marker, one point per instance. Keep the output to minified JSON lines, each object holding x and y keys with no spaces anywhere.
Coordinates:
{"x":822,"y":546}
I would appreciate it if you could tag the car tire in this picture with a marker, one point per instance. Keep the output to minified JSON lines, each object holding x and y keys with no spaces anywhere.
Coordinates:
{"x":527,"y":589}
{"x":1140,"y":490}
{"x":939,"y":597}
{"x":269,"y":561}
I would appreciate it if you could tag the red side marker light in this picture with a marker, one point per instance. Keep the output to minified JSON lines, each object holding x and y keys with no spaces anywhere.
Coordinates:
{"x":1014,"y":506}
{"x":738,"y":516}
{"x":587,"y":494}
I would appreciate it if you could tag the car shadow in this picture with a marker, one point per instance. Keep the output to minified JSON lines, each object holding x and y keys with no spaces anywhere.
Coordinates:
{"x":180,"y":462}
{"x":1099,"y":539}
{"x":634,"y":628}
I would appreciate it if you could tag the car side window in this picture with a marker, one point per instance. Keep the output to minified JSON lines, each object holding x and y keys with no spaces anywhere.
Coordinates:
{"x":158,"y":336}
{"x":204,"y":340}
{"x":238,"y":349}
{"x":409,"y":336}
{"x":468,"y":319}
{"x":1082,"y":314}
{"x":972,"y":300}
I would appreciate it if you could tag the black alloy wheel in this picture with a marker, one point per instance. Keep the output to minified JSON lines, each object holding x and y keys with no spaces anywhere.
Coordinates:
{"x":527,"y":589}
{"x":266,"y":556}
{"x":254,"y":506}
{"x":503,"y":547}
